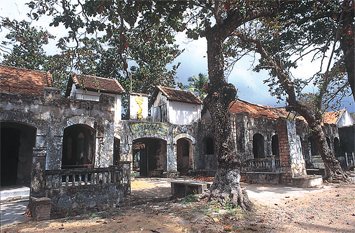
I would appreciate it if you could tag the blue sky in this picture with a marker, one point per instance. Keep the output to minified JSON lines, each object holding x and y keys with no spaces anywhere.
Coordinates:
{"x":193,"y":61}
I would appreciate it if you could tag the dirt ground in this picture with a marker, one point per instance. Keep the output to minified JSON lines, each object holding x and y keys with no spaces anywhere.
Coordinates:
{"x":328,"y":209}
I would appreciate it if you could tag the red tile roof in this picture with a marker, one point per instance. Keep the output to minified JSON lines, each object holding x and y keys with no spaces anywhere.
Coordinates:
{"x":257,"y":111}
{"x":177,"y":95}
{"x":333,"y":117}
{"x":93,"y":83}
{"x":23,"y":81}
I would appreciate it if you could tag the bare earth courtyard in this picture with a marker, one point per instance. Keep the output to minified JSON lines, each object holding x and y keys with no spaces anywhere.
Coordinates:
{"x":329,"y":208}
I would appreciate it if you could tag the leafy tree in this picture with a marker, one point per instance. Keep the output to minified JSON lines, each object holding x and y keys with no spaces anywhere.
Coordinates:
{"x":197,"y":83}
{"x":215,"y":20}
{"x":24,"y":49}
{"x":281,"y":45}
{"x":27,"y":45}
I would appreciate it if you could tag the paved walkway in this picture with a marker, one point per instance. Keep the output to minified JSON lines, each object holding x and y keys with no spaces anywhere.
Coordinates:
{"x":14,"y":202}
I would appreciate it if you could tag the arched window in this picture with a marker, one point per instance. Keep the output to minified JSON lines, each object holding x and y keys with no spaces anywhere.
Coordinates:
{"x":78,"y":146}
{"x":184,"y":153}
{"x":258,"y":146}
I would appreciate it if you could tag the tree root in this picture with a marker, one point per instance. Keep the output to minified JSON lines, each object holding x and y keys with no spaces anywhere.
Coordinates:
{"x":226,"y":189}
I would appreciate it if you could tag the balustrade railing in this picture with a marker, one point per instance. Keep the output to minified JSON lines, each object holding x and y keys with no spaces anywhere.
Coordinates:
{"x":268,"y":164}
{"x":88,"y":177}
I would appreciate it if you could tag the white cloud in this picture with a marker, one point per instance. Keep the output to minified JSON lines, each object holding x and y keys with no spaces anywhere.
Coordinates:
{"x":193,"y":61}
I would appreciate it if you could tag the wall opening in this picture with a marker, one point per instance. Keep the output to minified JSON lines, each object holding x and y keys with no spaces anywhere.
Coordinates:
{"x":184,"y":156}
{"x":116,"y":151}
{"x":17,"y":142}
{"x":336,"y":147}
{"x":78,"y":146}
{"x":258,"y":146}
{"x":313,"y":146}
{"x":328,"y":142}
{"x":209,"y":145}
{"x":149,"y":157}
{"x":275,"y":146}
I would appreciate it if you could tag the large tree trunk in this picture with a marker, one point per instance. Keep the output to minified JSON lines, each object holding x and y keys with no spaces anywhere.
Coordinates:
{"x":333,"y":170}
{"x":226,"y":186}
{"x":347,"y":42}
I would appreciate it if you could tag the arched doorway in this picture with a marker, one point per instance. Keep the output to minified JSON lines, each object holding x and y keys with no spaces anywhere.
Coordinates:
{"x":209,"y":160}
{"x":78,"y":146}
{"x":17,"y":142}
{"x":149,"y":156}
{"x":258,"y":146}
{"x":184,"y":155}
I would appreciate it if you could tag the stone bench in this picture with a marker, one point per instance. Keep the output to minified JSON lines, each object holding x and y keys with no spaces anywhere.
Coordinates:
{"x":184,"y":188}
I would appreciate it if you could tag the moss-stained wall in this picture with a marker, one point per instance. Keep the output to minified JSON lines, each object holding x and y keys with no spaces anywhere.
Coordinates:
{"x":51,"y":114}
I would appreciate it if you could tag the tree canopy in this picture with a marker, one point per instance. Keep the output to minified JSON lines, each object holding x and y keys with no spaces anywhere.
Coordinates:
{"x":140,"y":31}
{"x":307,"y":28}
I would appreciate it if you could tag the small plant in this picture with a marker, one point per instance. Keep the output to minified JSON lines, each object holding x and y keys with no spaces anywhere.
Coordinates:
{"x":93,"y":215}
{"x":133,"y":175}
{"x":228,"y":205}
{"x":190,"y":198}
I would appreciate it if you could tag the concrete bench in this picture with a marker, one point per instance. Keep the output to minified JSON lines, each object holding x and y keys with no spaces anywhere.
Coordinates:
{"x":184,"y":188}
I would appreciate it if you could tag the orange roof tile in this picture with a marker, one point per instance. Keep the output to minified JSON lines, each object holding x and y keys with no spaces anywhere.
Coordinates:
{"x":332,"y":117}
{"x":256,"y":110}
{"x":94,"y":83}
{"x":24,"y":81}
{"x":177,"y":95}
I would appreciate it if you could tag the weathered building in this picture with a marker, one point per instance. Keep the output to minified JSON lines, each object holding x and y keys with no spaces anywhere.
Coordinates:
{"x":45,"y":137}
{"x":85,"y":152}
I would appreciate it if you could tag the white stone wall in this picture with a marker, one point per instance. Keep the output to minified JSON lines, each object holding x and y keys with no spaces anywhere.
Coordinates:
{"x":95,"y":96}
{"x":298,"y":165}
{"x":138,"y":105}
{"x":345,"y":120}
{"x":183,"y":113}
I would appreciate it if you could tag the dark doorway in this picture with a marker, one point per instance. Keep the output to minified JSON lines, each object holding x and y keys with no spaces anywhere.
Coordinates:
{"x":275,"y":146}
{"x":149,"y":156}
{"x":184,"y":156}
{"x":336,"y":147}
{"x":17,"y":142}
{"x":116,"y":152}
{"x":258,"y":146}
{"x":209,"y":146}
{"x":78,"y":146}
{"x":313,"y":146}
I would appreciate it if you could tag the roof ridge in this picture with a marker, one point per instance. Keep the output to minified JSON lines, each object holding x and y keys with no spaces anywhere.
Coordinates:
{"x":15,"y":67}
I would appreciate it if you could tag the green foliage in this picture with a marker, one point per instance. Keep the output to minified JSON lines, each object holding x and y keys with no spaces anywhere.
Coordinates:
{"x":190,"y":198}
{"x":27,"y":45}
{"x":196,"y":85}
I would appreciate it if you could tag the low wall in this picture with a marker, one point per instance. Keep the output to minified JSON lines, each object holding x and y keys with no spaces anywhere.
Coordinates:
{"x":78,"y":191}
{"x":263,"y":177}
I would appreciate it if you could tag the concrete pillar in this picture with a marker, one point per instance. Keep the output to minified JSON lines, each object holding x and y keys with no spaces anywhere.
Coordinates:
{"x":39,"y":205}
{"x":38,"y":172}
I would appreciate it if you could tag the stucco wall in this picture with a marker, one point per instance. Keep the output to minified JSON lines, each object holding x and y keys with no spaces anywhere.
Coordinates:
{"x":183,"y":113}
{"x":51,"y":116}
